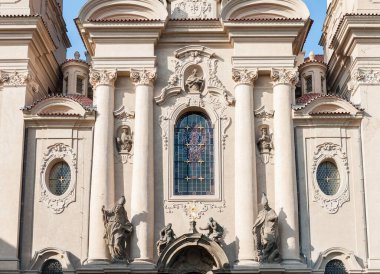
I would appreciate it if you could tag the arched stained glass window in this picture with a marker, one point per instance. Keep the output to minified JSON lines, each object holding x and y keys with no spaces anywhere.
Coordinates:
{"x":335,"y":267}
{"x":194,"y":155}
{"x":52,"y":267}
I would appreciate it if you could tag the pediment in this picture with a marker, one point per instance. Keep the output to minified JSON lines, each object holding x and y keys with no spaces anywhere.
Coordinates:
{"x":264,"y":9}
{"x":123,"y":10}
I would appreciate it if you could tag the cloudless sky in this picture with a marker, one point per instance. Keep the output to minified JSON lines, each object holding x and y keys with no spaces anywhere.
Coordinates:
{"x":317,"y":9}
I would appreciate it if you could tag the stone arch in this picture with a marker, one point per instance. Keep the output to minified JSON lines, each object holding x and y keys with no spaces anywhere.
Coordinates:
{"x":347,"y":257}
{"x":123,"y":10}
{"x":192,"y":253}
{"x":264,"y":9}
{"x":50,"y":253}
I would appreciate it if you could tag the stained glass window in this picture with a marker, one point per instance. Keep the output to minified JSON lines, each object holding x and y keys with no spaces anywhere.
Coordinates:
{"x":59,"y":178}
{"x":328,"y":178}
{"x":335,"y":267}
{"x":52,"y":267}
{"x":194,"y":155}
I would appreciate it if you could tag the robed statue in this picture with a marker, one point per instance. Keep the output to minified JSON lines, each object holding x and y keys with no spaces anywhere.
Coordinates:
{"x":194,"y":82}
{"x":166,"y":237}
{"x":215,"y":230}
{"x":117,"y":230}
{"x":266,"y":236}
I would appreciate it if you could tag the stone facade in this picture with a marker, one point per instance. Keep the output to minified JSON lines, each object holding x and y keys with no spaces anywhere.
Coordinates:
{"x":76,"y":135}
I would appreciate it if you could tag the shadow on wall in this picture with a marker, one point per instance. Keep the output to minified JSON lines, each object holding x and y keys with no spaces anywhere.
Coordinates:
{"x":285,"y":230}
{"x":136,"y":221}
{"x":8,"y":253}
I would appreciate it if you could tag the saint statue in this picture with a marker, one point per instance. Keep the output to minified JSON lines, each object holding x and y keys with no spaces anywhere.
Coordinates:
{"x":117,"y":230}
{"x":265,"y":141}
{"x":215,"y":230}
{"x":265,"y":232}
{"x":124,"y":142}
{"x":166,"y":237}
{"x":195,"y":83}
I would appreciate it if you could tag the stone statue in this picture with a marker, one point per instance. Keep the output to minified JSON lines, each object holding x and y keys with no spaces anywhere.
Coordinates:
{"x":195,"y":83}
{"x":166,"y":237}
{"x":117,"y":230}
{"x":124,"y":142}
{"x":215,"y":231}
{"x":265,"y":232}
{"x":265,"y":141}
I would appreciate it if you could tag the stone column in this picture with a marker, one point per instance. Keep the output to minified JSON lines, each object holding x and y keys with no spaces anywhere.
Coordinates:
{"x":284,"y":169}
{"x":102,"y":183}
{"x":245,"y":166}
{"x":142,"y":196}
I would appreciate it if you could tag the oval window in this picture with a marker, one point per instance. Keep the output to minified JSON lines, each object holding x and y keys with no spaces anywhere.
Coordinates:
{"x":328,"y":178}
{"x":59,"y":178}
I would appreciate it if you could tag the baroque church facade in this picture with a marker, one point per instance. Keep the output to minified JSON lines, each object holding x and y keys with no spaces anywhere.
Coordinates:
{"x":195,"y":137}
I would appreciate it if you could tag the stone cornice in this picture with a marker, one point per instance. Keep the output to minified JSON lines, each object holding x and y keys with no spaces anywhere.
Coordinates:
{"x":284,"y":76}
{"x":244,"y":76}
{"x":14,"y":78}
{"x":102,"y":77}
{"x":143,"y":77}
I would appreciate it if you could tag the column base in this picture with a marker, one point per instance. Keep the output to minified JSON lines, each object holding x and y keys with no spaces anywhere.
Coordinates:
{"x":142,"y":264}
{"x":246,"y":264}
{"x":96,"y":262}
{"x":294,"y":265}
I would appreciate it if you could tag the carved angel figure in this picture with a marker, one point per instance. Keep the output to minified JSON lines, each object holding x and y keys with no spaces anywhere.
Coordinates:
{"x":124,"y":141}
{"x":215,"y":230}
{"x":265,"y":232}
{"x":195,"y":83}
{"x":117,"y":230}
{"x":166,"y":237}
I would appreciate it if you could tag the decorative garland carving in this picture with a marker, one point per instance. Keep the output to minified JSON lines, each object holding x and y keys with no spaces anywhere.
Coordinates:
{"x":143,"y":77}
{"x":244,"y":76}
{"x":194,"y":210}
{"x":15,"y":78}
{"x":284,"y":76}
{"x":102,"y":77}
{"x":331,"y":151}
{"x":53,"y":154}
{"x":364,"y":76}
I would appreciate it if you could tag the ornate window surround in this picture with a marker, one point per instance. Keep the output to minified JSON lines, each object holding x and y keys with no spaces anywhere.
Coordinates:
{"x":337,"y":253}
{"x":175,"y":102}
{"x":54,"y":154}
{"x":334,"y":153}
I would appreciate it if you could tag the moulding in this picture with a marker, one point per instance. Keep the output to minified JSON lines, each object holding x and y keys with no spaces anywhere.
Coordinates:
{"x":54,"y":154}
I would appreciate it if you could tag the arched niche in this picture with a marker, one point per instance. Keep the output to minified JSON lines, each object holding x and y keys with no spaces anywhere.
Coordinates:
{"x":264,"y":9}
{"x":347,"y":257}
{"x":192,"y":253}
{"x":50,"y":253}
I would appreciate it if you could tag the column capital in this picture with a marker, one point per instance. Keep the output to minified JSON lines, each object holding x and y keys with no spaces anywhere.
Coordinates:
{"x":244,"y":76}
{"x":284,"y":76}
{"x":143,"y":77}
{"x":102,"y":77}
{"x":14,"y":78}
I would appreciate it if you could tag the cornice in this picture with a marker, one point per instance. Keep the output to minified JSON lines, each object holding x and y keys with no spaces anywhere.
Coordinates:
{"x":102,"y":77}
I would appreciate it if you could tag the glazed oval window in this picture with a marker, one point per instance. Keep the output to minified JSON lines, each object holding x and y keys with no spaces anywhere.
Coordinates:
{"x":328,"y":177}
{"x":59,"y":178}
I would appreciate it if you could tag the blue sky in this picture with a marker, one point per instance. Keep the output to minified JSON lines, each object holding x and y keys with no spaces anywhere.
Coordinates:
{"x":317,"y":9}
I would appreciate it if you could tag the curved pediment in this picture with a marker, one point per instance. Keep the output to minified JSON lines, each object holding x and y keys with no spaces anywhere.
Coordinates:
{"x":118,"y":10}
{"x":264,"y":9}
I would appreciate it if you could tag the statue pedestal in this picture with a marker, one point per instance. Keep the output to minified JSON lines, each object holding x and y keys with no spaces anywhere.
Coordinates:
{"x":247,"y":264}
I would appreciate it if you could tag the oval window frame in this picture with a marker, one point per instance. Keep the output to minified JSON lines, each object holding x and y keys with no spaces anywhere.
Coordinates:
{"x":332,"y":162}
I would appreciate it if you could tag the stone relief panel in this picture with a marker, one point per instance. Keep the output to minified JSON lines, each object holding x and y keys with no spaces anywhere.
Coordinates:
{"x":193,"y":9}
{"x":124,"y":134}
{"x":55,"y":154}
{"x":330,"y":152}
{"x":364,"y":76}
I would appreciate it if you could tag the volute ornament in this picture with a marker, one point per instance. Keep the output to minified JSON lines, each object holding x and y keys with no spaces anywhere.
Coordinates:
{"x":244,"y":76}
{"x":284,"y":76}
{"x":102,"y":77}
{"x":143,"y":77}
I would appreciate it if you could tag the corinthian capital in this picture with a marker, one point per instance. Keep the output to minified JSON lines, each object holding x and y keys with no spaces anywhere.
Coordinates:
{"x":244,"y":76}
{"x":284,"y":76}
{"x":143,"y":77}
{"x":102,"y":77}
{"x":14,"y":78}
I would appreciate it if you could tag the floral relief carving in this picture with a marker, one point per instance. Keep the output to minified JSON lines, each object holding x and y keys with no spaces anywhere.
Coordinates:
{"x":334,"y":152}
{"x":196,"y":209}
{"x":364,"y":76}
{"x":14,"y":78}
{"x":194,"y":9}
{"x":102,"y":77}
{"x":284,"y":76}
{"x":54,"y":154}
{"x":244,"y":76}
{"x":143,"y":77}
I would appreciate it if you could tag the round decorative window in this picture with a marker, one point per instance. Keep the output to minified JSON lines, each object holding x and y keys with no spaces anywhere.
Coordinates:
{"x":59,"y":178}
{"x":328,"y":178}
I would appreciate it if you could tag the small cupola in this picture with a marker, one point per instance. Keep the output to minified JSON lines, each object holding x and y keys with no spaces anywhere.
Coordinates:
{"x":313,"y":74}
{"x":75,"y":76}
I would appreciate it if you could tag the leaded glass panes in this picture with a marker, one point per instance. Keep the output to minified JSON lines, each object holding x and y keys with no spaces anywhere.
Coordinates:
{"x":328,"y":178}
{"x":52,"y":267}
{"x":194,"y":155}
{"x":335,"y":267}
{"x":59,"y":178}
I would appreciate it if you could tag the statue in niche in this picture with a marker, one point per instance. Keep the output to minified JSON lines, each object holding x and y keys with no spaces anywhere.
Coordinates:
{"x":264,"y":143}
{"x":194,"y":83}
{"x":125,"y":140}
{"x":265,"y":232}
{"x":166,"y":237}
{"x":215,"y":230}
{"x":117,"y":231}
